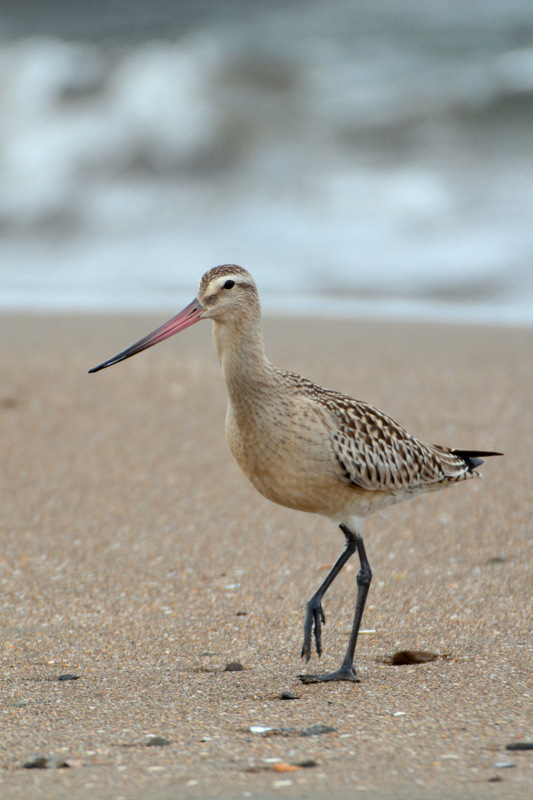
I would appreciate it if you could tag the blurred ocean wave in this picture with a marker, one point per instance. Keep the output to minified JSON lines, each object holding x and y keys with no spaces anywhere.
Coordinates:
{"x":370,"y":157}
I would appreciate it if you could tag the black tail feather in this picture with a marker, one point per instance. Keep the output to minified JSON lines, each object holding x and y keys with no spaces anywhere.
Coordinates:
{"x":472,"y":457}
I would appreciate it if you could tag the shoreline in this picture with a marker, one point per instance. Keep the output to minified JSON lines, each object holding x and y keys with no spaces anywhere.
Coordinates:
{"x":344,"y":309}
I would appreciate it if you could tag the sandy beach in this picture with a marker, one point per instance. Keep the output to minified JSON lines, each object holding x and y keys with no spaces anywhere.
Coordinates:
{"x":136,"y":557}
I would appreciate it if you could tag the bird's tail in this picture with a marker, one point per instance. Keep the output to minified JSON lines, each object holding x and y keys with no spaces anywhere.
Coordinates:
{"x":472,"y":458}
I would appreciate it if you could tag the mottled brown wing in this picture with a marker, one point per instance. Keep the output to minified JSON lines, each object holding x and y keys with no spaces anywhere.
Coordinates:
{"x":374,"y":452}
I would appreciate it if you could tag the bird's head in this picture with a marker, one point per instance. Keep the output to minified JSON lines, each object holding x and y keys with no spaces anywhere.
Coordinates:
{"x":227,"y":294}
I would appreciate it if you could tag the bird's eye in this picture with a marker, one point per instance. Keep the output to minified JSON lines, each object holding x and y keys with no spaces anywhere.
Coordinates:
{"x":229,"y":284}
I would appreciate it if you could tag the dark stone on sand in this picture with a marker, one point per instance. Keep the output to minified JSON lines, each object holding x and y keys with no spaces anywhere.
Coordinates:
{"x":56,"y":762}
{"x":402,"y":657}
{"x":233,"y":666}
{"x":317,"y":730}
{"x":36,"y":762}
{"x":39,"y":761}
{"x":289,"y":696}
{"x":519,"y":746}
{"x":68,"y":676}
{"x":313,"y":730}
{"x":157,"y":741}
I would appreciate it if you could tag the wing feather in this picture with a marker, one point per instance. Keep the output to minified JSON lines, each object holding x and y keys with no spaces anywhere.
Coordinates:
{"x":374,"y":452}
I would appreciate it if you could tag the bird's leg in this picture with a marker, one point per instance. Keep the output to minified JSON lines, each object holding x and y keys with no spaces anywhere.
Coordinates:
{"x":364,"y":577}
{"x":314,"y":614}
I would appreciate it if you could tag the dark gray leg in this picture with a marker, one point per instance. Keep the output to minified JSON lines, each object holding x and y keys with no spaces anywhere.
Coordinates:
{"x":364,"y":577}
{"x":314,"y":615}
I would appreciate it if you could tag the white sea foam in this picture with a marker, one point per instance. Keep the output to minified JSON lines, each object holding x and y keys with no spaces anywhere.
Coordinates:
{"x":357,"y":158}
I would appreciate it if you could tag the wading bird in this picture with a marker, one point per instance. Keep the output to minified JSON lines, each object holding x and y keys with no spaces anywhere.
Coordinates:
{"x":306,"y":447}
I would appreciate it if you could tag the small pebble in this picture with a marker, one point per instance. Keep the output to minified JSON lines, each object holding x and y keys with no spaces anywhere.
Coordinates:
{"x":157,"y":741}
{"x":68,"y":676}
{"x":38,"y":761}
{"x":307,"y":763}
{"x":55,"y":762}
{"x":282,"y":766}
{"x":233,"y":666}
{"x":266,"y":731}
{"x":402,"y":657}
{"x":317,"y":730}
{"x":519,"y":746}
{"x":281,"y":784}
{"x":503,"y":765}
{"x":313,"y":730}
{"x":289,"y":696}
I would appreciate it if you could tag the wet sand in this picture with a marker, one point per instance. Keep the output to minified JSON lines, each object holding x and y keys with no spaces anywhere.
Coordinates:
{"x":135,"y":555}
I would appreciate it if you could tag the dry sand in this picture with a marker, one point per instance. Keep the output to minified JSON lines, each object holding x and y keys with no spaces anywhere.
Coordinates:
{"x":136,"y":556}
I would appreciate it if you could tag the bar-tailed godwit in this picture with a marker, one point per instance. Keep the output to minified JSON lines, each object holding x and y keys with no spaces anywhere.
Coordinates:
{"x":306,"y":447}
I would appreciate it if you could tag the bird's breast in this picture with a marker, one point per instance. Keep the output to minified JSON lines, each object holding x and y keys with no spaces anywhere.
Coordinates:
{"x":286,"y":453}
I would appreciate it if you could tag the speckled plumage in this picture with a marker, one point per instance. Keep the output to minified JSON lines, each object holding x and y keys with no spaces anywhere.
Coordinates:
{"x":306,"y":447}
{"x":374,"y":452}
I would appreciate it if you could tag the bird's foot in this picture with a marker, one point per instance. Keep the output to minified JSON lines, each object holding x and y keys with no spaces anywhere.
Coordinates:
{"x":314,"y":619}
{"x":345,"y":673}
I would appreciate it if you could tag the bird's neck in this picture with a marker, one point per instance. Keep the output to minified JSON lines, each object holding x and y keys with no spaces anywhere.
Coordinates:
{"x":241,"y":352}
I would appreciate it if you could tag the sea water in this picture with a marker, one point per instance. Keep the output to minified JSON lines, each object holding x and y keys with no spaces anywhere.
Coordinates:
{"x":370,"y":158}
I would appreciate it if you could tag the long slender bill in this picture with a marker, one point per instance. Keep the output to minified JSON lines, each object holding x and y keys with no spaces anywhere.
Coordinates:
{"x":184,"y":319}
